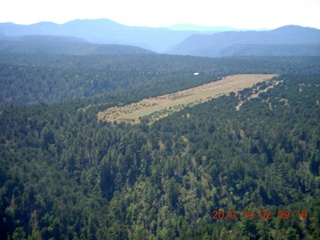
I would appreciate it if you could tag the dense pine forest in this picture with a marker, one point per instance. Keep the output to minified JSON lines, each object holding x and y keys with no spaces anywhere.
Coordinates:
{"x":210,"y":171}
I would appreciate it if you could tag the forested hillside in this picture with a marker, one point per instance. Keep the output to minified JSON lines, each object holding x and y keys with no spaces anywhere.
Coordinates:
{"x":31,"y":79}
{"x":63,"y":45}
{"x":66,"y":175}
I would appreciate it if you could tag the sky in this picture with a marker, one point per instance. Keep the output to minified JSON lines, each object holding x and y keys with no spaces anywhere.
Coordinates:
{"x":254,"y":14}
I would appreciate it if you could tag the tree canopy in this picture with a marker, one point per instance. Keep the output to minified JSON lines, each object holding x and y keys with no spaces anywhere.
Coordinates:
{"x":66,"y":175}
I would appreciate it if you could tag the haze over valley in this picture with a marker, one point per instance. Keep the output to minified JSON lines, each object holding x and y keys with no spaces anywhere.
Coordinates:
{"x":83,"y":35}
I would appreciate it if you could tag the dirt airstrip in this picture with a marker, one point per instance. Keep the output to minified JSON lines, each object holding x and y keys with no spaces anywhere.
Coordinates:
{"x":162,"y":106}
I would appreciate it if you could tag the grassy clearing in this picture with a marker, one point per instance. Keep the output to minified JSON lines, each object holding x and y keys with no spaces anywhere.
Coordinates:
{"x":162,"y":106}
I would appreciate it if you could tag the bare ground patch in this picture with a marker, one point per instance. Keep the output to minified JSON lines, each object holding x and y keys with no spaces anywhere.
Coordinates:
{"x":274,"y":83}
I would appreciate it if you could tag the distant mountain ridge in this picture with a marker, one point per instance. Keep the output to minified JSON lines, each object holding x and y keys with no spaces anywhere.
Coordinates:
{"x":199,"y":28}
{"x":183,"y":39}
{"x":288,"y":40}
{"x":103,"y":31}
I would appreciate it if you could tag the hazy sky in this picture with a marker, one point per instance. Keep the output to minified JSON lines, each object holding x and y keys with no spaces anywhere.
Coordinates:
{"x":157,"y":13}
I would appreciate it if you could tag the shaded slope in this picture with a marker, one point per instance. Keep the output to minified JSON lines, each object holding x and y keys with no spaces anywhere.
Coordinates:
{"x":42,"y":44}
